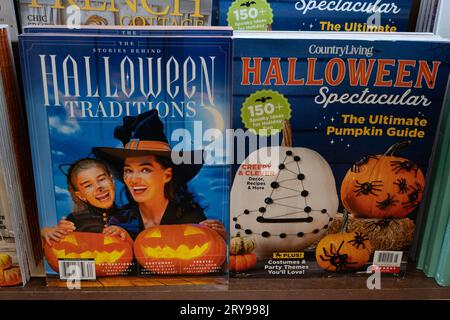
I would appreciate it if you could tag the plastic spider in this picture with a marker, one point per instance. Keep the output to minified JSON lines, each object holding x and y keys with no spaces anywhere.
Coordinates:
{"x":336,"y":259}
{"x":402,"y":185}
{"x":380,"y":224}
{"x":357,"y":166}
{"x":359,"y":240}
{"x":413,"y":197}
{"x":408,"y":166}
{"x":386,"y":203}
{"x":367,"y":188}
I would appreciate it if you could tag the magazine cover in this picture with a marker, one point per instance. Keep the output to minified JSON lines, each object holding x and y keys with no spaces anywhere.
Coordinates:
{"x":17,"y":162}
{"x":116,"y":12}
{"x":11,"y":207}
{"x":341,"y":134}
{"x":315,"y":15}
{"x":128,"y":178}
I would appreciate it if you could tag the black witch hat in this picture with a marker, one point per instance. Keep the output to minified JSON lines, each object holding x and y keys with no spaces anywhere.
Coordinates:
{"x":144,"y":135}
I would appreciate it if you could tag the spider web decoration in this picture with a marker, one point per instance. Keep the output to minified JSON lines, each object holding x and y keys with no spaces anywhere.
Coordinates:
{"x":289,"y":170}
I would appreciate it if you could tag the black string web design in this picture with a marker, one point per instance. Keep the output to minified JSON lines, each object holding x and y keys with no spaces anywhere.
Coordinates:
{"x":297,"y":175}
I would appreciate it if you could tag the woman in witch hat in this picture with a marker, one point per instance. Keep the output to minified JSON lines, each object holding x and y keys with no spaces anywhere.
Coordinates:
{"x":157,"y":188}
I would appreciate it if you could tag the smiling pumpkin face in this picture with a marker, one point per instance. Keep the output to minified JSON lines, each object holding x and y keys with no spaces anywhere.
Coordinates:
{"x":180,"y":249}
{"x":111,"y":254}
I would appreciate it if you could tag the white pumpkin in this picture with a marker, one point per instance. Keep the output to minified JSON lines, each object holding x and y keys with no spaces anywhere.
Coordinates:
{"x":285,"y":200}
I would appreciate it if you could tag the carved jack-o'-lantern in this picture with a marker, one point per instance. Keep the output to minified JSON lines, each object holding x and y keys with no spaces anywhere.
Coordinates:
{"x":284,"y":197}
{"x":112,"y":255}
{"x":180,"y":249}
{"x":383,"y":186}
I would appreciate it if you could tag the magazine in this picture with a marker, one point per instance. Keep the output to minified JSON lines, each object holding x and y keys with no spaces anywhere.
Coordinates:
{"x":128,"y":182}
{"x":13,"y":271}
{"x":341,"y":128}
{"x":116,"y":12}
{"x":8,"y":16}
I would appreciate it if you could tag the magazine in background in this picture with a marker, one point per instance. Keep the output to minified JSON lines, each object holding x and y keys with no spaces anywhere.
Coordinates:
{"x":117,"y":12}
{"x":312,"y":15}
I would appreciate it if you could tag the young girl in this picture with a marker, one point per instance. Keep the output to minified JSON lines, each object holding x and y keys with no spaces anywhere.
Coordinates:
{"x":91,"y":186}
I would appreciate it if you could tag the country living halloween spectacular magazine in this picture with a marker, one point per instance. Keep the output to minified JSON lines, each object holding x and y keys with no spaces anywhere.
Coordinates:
{"x":344,"y":128}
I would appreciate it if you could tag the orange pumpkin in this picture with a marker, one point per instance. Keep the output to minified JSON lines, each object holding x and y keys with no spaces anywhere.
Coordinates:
{"x":112,"y":255}
{"x":242,"y":262}
{"x":10,"y":277}
{"x":180,"y":249}
{"x":383,"y":186}
{"x":344,"y":250}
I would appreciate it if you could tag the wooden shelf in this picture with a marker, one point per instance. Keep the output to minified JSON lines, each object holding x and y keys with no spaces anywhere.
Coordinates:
{"x":414,"y":286}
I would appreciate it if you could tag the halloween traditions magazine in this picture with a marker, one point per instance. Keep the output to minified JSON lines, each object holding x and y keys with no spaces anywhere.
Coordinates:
{"x":342,"y":129}
{"x":131,"y":188}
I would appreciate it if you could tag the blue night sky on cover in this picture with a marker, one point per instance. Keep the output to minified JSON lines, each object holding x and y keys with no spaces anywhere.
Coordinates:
{"x":58,"y":139}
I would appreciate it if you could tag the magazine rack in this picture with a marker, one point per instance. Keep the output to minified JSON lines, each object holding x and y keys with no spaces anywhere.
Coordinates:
{"x":415,"y":286}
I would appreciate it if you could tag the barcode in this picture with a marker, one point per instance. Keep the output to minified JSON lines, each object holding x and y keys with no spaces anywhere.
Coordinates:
{"x":76,"y":269}
{"x":388,"y":258}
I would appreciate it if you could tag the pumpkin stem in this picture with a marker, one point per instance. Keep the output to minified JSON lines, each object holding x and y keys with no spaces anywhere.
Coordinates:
{"x":287,"y":134}
{"x":397,"y":147}
{"x":345,"y":223}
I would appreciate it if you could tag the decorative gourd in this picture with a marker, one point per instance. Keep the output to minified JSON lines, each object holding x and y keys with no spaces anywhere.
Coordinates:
{"x":344,"y":250}
{"x":241,"y":245}
{"x":242,"y":262}
{"x":284,"y":197}
{"x":5,"y":261}
{"x":383,"y":186}
{"x":383,"y":234}
{"x":112,"y":255}
{"x":180,"y":249}
{"x":10,"y":277}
